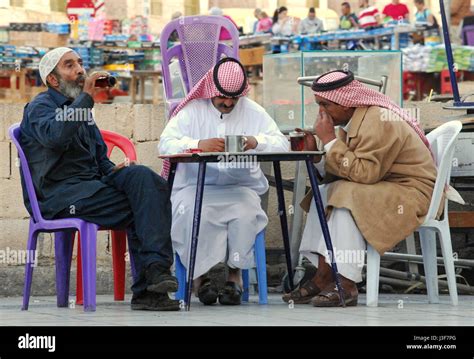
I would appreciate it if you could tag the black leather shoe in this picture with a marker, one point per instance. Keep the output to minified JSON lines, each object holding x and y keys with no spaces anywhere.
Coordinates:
{"x":231,"y":294}
{"x":207,"y":292}
{"x":154,"y":301}
{"x":159,"y":280}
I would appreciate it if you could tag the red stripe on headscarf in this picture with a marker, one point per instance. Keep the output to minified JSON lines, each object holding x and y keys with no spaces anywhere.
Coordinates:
{"x":355,"y":94}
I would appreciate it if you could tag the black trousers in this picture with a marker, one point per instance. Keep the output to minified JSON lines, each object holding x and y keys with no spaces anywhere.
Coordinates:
{"x":137,"y":199}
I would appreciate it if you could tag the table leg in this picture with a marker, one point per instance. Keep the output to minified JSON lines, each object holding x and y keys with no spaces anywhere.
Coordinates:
{"x":324,"y":226}
{"x":296,"y":223}
{"x":195,"y":232}
{"x":283,"y":220}
{"x":173,"y":166}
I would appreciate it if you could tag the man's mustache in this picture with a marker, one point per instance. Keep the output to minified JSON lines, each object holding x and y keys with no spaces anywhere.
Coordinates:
{"x":80,"y":78}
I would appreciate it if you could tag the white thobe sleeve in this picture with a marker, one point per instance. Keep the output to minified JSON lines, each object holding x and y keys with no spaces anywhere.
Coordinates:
{"x":173,"y":138}
{"x":320,"y":165}
{"x":270,"y":138}
{"x":328,"y":145}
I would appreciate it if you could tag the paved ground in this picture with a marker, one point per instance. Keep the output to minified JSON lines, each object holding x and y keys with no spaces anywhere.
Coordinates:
{"x":396,"y":310}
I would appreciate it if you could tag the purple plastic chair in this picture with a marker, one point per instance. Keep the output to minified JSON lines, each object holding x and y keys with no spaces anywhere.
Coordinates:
{"x":198,"y":50}
{"x":468,"y":35}
{"x":64,"y":230}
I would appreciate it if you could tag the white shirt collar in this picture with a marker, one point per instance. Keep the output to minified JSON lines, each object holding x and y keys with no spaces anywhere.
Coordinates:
{"x":347,"y":126}
{"x":221,"y":115}
{"x":212,"y":109}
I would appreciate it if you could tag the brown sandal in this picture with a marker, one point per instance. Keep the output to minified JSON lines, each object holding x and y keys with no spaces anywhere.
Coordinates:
{"x":296,"y":296}
{"x":332,"y":299}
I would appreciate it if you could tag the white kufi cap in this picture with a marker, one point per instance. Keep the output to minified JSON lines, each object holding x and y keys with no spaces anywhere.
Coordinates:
{"x":50,"y":60}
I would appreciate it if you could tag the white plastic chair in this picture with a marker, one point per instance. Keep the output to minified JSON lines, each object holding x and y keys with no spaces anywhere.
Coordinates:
{"x":442,"y":142}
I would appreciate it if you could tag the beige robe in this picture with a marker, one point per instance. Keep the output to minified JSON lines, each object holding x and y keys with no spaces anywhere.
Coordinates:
{"x":384,"y":175}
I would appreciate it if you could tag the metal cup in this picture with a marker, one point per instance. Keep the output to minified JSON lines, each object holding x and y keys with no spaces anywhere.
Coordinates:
{"x":235,"y":143}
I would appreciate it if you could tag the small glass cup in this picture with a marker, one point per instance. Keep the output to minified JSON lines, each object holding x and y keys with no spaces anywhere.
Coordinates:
{"x":297,"y":141}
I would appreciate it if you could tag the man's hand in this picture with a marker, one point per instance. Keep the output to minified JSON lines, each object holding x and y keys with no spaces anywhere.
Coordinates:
{"x":324,"y":127}
{"x":309,"y":140}
{"x":251,"y":143}
{"x":124,"y":164}
{"x":212,"y":145}
{"x":89,"y":82}
{"x":310,"y":143}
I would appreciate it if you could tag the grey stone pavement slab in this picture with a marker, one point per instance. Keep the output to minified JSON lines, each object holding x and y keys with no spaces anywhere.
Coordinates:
{"x":393,"y":310}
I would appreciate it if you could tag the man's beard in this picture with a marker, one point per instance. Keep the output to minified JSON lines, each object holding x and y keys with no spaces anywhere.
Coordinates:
{"x":71,"y":89}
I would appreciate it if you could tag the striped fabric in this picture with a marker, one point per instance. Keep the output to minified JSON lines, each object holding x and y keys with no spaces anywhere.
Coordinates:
{"x":355,"y":94}
{"x":367,"y":17}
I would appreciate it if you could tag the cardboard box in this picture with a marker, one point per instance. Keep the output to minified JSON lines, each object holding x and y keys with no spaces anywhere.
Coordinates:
{"x":40,"y":39}
{"x":252,"y":56}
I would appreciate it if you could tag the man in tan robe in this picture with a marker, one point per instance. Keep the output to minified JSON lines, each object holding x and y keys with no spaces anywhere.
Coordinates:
{"x":379,"y":178}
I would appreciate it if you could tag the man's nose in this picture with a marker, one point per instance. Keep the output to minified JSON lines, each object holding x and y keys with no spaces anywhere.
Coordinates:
{"x":228,"y":102}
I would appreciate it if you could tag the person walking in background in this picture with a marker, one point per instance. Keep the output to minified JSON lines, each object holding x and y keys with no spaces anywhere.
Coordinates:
{"x":256,"y":14}
{"x":265,"y":23}
{"x":311,"y":24}
{"x":459,"y":9}
{"x":423,"y":14}
{"x":284,"y":25}
{"x":348,"y":19}
{"x":369,"y":16}
{"x":395,"y":11}
{"x":225,"y":35}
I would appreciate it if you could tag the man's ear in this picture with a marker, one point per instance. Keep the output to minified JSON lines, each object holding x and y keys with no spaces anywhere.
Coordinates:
{"x":52,"y":80}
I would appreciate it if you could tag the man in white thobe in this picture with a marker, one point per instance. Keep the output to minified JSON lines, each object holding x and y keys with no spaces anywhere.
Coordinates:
{"x":231,"y":212}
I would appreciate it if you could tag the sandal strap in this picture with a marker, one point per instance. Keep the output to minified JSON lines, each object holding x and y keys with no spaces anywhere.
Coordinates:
{"x":333,"y":295}
{"x":310,"y":288}
{"x":232,"y":286}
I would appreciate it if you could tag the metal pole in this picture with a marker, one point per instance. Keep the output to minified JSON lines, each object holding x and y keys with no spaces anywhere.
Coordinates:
{"x":195,"y":232}
{"x":419,"y":259}
{"x":296,"y":224}
{"x":443,"y":284}
{"x":283,"y":220}
{"x":449,"y":52}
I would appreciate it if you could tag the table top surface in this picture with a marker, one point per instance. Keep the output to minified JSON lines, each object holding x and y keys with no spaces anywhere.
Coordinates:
{"x":242,"y":156}
{"x":432,"y":115}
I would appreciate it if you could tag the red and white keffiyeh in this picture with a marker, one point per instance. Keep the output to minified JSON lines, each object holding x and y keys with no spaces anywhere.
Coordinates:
{"x":355,"y":94}
{"x":231,"y":78}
